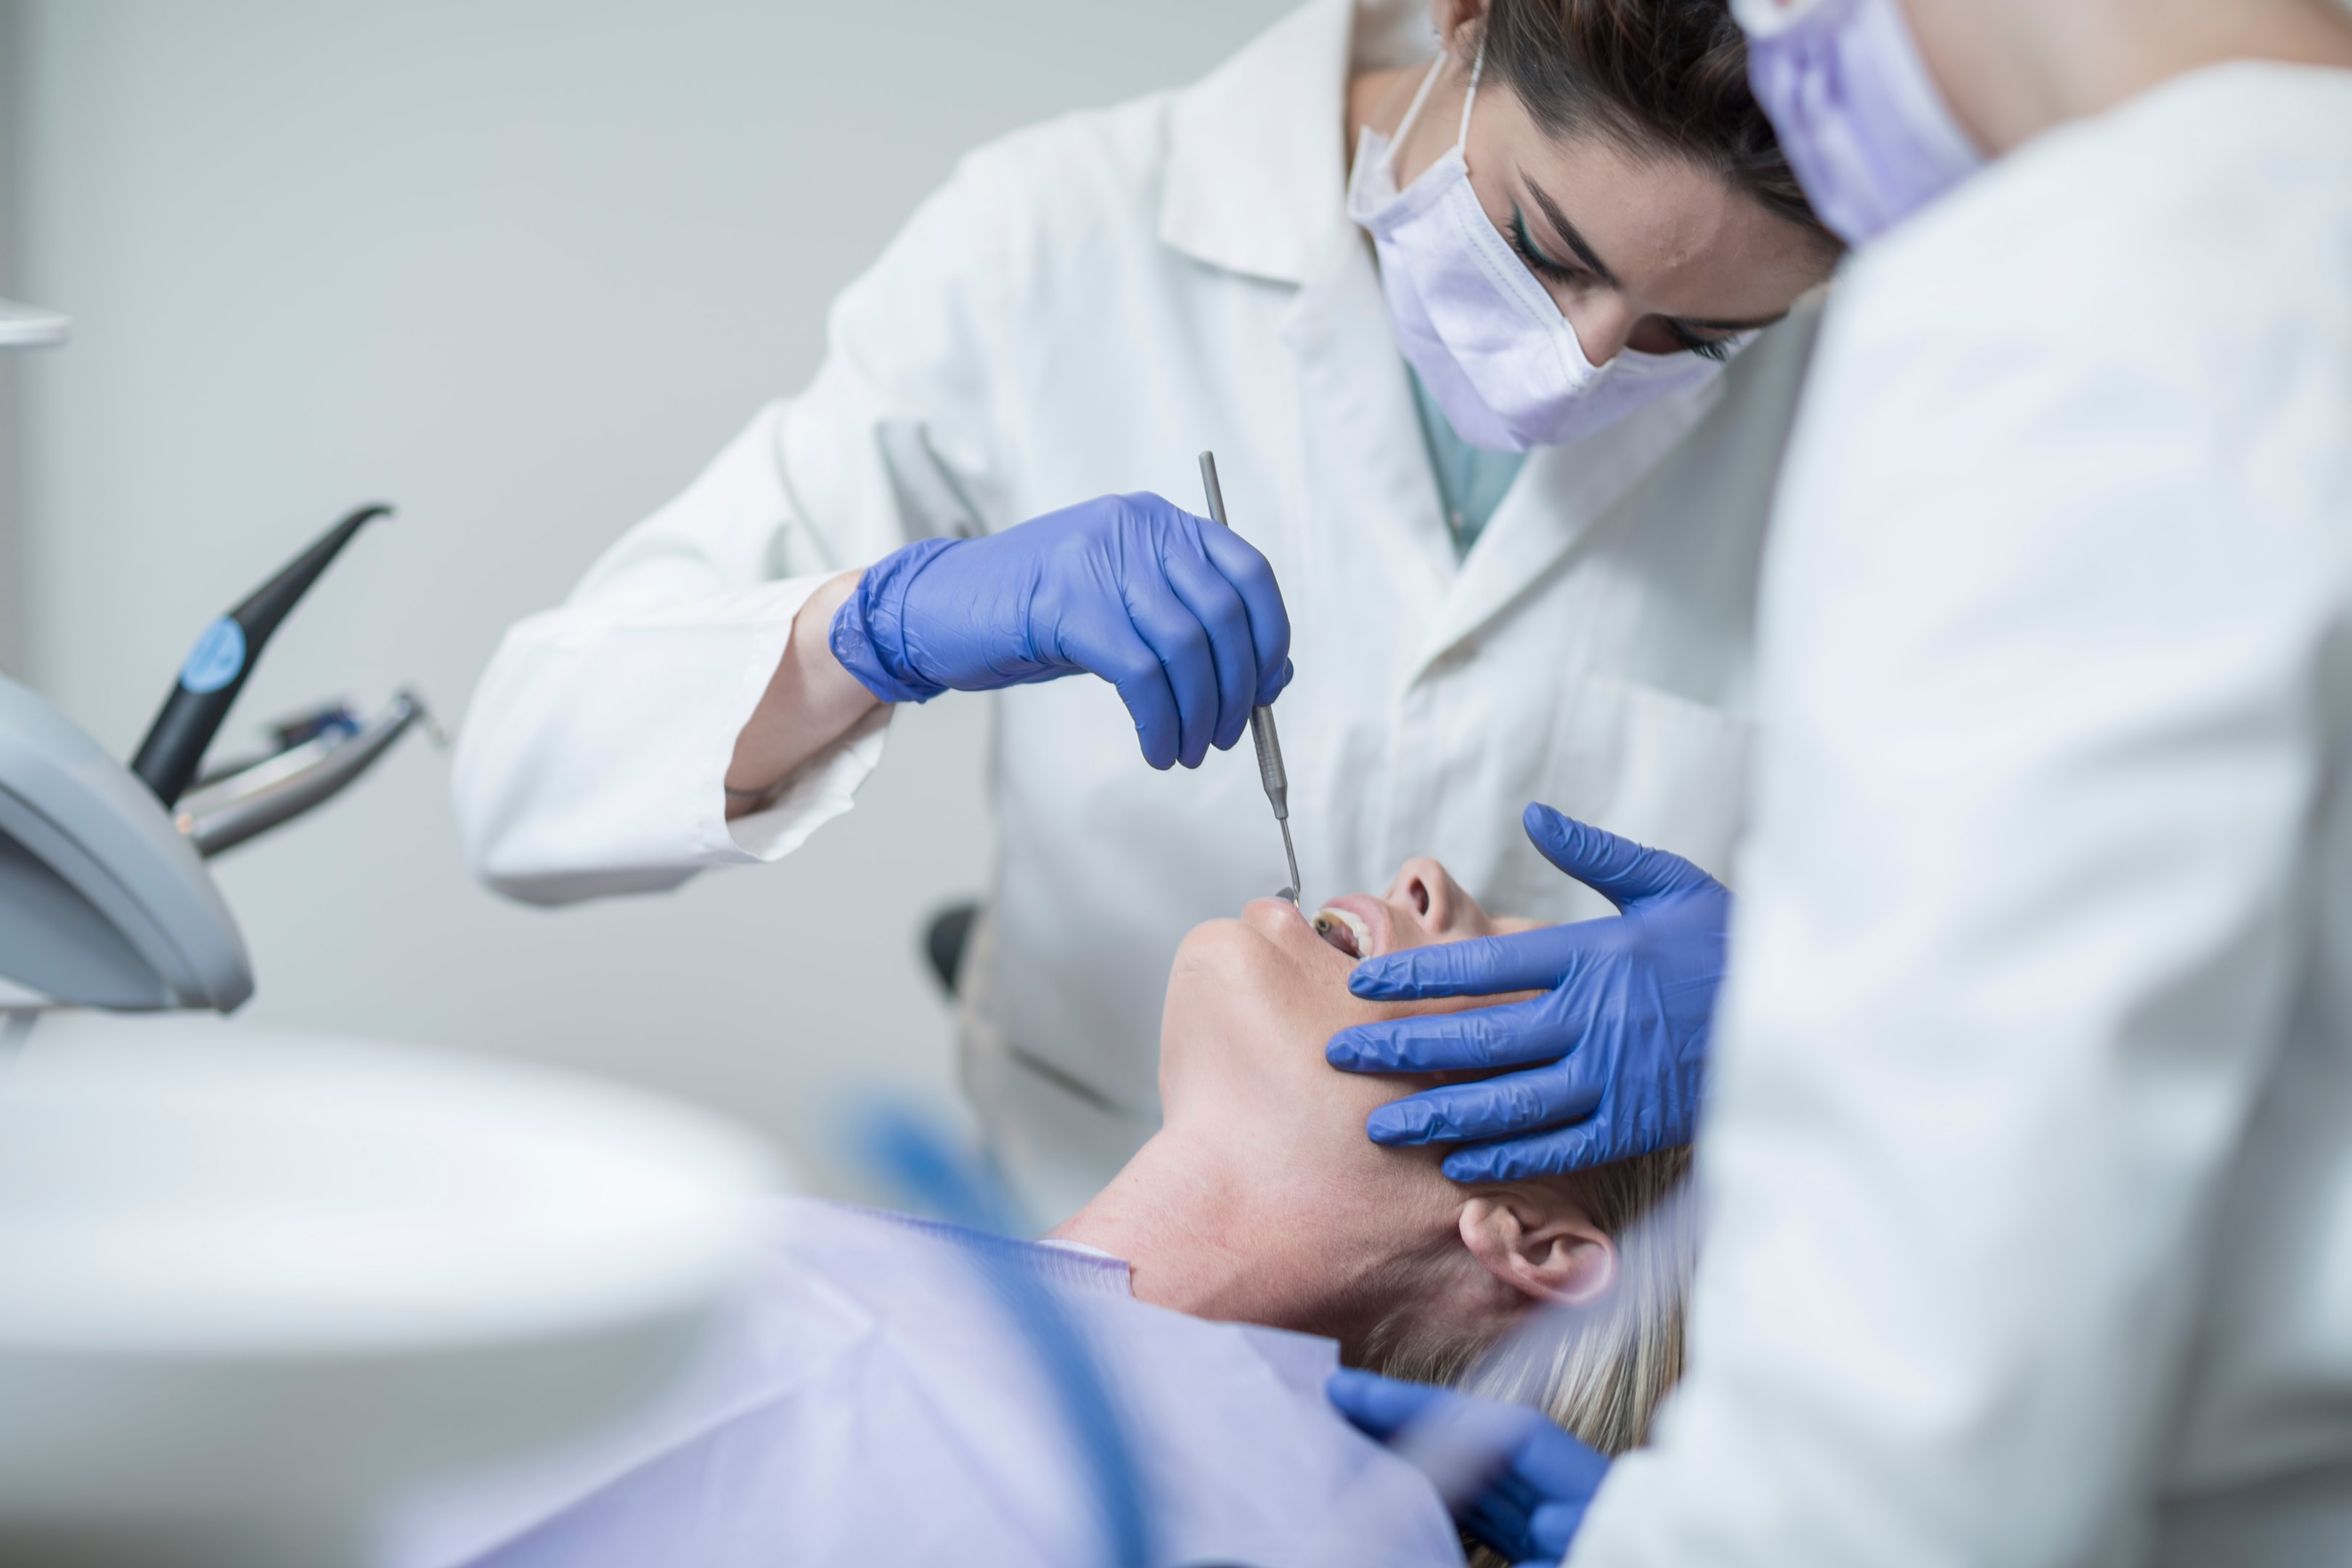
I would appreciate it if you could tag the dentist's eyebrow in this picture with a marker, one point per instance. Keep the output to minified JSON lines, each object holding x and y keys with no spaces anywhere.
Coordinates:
{"x":1566,"y":232}
{"x":1575,"y":242}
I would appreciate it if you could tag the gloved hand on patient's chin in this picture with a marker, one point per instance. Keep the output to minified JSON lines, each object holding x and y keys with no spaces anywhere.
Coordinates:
{"x":1613,"y":1054}
{"x":1512,"y":1478}
{"x":1181,"y":615}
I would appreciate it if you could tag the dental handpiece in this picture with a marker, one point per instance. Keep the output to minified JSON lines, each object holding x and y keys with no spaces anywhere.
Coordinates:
{"x":1261,"y":734}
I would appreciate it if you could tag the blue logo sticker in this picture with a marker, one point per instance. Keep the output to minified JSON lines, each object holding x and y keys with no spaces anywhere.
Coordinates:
{"x":218,"y":655}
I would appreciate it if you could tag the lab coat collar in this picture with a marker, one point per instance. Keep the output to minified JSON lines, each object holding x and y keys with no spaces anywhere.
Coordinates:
{"x":1558,"y":498}
{"x":1257,"y":166}
{"x":1361,"y":431}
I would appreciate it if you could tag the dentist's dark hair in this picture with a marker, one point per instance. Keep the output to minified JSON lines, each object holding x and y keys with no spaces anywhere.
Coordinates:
{"x":1654,"y":77}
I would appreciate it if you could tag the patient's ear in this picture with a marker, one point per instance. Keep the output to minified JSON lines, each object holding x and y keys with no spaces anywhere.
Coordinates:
{"x":1535,"y":1242}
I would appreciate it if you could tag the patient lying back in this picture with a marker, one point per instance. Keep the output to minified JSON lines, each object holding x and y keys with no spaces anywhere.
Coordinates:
{"x":871,"y":1400}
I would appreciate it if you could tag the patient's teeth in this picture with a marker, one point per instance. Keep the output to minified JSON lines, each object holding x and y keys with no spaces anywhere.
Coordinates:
{"x":1346,"y":932}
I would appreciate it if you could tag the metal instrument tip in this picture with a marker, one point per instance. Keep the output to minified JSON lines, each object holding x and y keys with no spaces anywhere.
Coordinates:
{"x":1270,"y":770}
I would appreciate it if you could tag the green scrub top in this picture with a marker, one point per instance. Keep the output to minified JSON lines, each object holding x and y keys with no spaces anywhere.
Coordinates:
{"x":1471,"y":481}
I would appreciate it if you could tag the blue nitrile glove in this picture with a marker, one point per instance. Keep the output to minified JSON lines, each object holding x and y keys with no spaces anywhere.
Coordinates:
{"x":1178,"y":614}
{"x":1512,"y":1478}
{"x":1619,"y":1046}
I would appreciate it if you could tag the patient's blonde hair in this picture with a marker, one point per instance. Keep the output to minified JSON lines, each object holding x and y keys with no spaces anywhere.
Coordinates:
{"x":1600,"y":1371}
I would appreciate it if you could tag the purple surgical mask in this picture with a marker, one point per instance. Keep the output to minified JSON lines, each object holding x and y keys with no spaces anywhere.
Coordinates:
{"x":1487,"y":340}
{"x":1865,"y":127}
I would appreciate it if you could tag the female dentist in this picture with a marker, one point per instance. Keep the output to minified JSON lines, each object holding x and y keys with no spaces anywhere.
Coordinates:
{"x":2028,"y":1159}
{"x":1498,"y":405}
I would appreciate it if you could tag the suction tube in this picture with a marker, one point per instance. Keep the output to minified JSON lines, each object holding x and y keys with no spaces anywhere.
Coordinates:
{"x":224,"y":655}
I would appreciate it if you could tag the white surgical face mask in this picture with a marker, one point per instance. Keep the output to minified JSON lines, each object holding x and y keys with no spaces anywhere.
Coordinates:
{"x":1493,"y":348}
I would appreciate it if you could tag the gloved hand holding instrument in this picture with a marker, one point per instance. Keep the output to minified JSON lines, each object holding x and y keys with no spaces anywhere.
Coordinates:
{"x":1181,"y":615}
{"x":1611,"y":1059}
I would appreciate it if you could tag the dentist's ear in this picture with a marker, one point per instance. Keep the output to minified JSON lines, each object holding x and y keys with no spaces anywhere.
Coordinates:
{"x":1449,"y":16}
{"x":1536,"y":1243}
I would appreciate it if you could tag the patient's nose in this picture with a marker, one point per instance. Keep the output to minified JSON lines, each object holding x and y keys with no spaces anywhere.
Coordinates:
{"x":1425,"y":893}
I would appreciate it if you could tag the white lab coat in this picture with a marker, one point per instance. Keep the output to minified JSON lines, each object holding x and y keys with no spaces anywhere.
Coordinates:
{"x":1081,"y":309}
{"x":2029,"y":1159}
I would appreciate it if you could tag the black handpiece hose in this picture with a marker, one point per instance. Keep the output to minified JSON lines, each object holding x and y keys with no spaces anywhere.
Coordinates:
{"x":224,"y":655}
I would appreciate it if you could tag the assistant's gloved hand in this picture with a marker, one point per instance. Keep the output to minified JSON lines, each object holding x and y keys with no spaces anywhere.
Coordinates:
{"x":1512,"y":1478}
{"x":1178,"y":614}
{"x":1619,"y":1042}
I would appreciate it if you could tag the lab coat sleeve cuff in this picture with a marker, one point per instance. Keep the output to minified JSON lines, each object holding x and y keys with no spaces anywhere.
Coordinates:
{"x":820,"y":790}
{"x":594,"y":758}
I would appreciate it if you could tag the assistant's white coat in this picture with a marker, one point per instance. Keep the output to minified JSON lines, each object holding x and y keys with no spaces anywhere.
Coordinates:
{"x":2031,"y":1156}
{"x":1083,"y":309}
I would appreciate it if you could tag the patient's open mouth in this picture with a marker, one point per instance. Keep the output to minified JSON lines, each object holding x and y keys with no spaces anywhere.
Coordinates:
{"x":1344,"y":931}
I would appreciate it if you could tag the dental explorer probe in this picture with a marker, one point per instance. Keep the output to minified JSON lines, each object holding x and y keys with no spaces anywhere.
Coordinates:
{"x":1261,"y":735}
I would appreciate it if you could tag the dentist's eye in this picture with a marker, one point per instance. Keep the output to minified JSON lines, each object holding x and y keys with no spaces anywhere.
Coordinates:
{"x":1538,"y":262}
{"x":1716,"y":349}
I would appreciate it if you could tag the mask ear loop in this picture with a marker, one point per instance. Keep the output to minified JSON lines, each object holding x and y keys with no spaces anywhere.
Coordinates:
{"x":1421,"y":97}
{"x":1412,"y":109}
{"x":1477,"y":64}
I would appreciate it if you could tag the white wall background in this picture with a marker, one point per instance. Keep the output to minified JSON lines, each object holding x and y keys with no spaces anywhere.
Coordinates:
{"x":520,"y":269}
